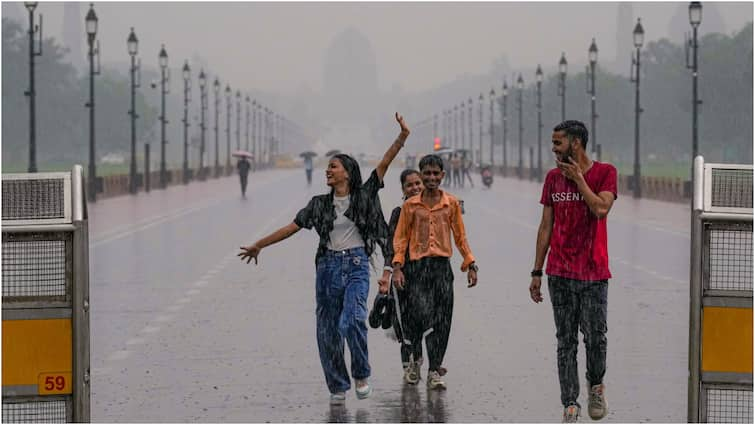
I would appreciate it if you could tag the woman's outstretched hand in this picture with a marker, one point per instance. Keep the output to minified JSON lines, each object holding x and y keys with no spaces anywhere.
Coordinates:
{"x":249,"y":252}
{"x":404,"y":129}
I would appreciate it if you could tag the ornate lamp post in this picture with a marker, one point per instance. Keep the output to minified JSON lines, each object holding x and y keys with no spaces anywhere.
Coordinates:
{"x":461,"y":125}
{"x":455,"y":123}
{"x":202,"y":127}
{"x":238,"y":119}
{"x":504,"y":101}
{"x":695,"y":17}
{"x":479,"y":116}
{"x":539,"y":85}
{"x":35,"y":49}
{"x":133,"y":48}
{"x":228,"y":105}
{"x":91,"y":28}
{"x":254,"y":133}
{"x":638,"y":37}
{"x":562,"y":65}
{"x":187,"y":94}
{"x":471,"y":135}
{"x":246,"y":125}
{"x":492,"y":128}
{"x":520,"y":90}
{"x":216,"y":89}
{"x":163,"y":60}
{"x":592,"y":54}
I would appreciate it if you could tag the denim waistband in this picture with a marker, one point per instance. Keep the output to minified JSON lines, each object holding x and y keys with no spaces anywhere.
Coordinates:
{"x":351,"y":251}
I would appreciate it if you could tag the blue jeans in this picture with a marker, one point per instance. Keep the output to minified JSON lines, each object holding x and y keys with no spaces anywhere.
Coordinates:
{"x":579,"y":305}
{"x":343,"y":282}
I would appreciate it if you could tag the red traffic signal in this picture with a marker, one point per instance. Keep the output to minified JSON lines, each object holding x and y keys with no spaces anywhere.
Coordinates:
{"x":436,"y":144}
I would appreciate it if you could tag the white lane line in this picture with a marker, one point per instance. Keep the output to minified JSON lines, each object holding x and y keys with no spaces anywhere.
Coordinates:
{"x":119,"y":355}
{"x":149,"y":329}
{"x":153,"y":223}
{"x":135,"y":341}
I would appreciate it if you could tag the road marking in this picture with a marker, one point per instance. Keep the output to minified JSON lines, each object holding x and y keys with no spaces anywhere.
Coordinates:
{"x":119,"y":355}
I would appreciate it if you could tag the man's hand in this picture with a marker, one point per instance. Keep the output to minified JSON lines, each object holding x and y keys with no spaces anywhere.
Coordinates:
{"x":570,"y":170}
{"x":471,"y":278}
{"x":384,"y":283}
{"x":535,"y":294}
{"x":251,"y":251}
{"x":398,"y":278}
{"x":404,"y":129}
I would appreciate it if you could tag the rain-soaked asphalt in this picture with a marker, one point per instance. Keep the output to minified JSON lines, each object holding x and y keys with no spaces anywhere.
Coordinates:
{"x":184,"y":332}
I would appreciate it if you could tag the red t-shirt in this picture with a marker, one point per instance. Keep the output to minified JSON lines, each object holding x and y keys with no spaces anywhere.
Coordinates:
{"x":579,"y":240}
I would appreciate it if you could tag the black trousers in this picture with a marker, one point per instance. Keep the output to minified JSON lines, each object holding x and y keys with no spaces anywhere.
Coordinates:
{"x":427,"y":302}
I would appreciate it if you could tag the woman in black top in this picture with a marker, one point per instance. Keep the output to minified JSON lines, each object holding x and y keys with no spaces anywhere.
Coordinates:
{"x":349,"y":221}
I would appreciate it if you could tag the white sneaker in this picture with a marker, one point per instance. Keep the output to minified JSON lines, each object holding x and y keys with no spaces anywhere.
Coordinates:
{"x":434,"y":381}
{"x":337,"y":399}
{"x":363,"y":389}
{"x":597,"y":407}
{"x":412,"y":373}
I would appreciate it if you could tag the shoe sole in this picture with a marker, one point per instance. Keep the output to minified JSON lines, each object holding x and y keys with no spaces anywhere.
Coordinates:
{"x":599,"y":417}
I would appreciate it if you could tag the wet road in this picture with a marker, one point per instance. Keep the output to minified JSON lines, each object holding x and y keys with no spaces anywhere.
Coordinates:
{"x":184,"y":332}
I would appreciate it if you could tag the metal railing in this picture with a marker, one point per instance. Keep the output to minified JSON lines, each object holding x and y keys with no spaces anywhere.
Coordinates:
{"x":45,"y":298}
{"x":720,"y":335}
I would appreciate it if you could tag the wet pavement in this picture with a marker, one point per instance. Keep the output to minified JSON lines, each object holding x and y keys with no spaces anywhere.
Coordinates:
{"x":184,"y":332}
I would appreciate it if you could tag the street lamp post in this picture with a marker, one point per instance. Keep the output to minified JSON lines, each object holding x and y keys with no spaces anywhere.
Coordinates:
{"x":133,"y":48}
{"x":455,"y":122}
{"x":471,"y":132}
{"x":163,"y":60}
{"x":638,"y":37}
{"x":228,"y":106}
{"x":202,"y":128}
{"x":91,"y":28}
{"x":504,"y":101}
{"x":254,"y":133}
{"x":187,"y":85}
{"x":259,"y":134}
{"x":492,"y":128}
{"x":216,"y":89}
{"x":592,"y":54}
{"x":695,"y":17}
{"x":246,"y":125}
{"x":562,"y":65}
{"x":479,"y":116}
{"x":34,"y":51}
{"x":520,"y":90}
{"x":238,"y":119}
{"x":539,"y":84}
{"x":461,"y":125}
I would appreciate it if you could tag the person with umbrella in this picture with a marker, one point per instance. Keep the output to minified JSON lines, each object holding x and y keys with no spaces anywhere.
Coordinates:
{"x":349,"y":222}
{"x":243,"y":167}
{"x":308,"y":155}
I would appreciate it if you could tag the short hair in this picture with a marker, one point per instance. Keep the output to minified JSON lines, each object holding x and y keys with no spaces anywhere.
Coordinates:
{"x":406,"y":173}
{"x":431,"y":160}
{"x":572,"y":129}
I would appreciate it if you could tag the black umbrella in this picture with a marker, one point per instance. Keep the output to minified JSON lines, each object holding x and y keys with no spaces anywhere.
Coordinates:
{"x":332,"y":152}
{"x":307,"y":154}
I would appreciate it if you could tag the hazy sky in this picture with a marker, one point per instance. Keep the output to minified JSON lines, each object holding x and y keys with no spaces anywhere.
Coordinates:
{"x":279,"y":46}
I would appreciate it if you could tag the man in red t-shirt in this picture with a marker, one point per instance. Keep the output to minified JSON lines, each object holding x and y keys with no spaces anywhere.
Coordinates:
{"x":577,"y":196}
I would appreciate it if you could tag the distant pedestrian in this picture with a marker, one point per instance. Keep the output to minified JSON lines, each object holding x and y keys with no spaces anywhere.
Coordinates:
{"x":456,"y":170}
{"x":308,"y":169}
{"x":577,"y":197}
{"x":243,"y":167}
{"x":349,"y":221}
{"x":424,"y":229}
{"x":466,"y":164}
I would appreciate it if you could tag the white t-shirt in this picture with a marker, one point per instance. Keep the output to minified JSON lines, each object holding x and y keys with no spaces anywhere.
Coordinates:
{"x":345,"y":234}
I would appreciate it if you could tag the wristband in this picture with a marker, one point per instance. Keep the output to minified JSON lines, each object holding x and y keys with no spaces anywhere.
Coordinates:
{"x":537,"y":273}
{"x":387,"y":269}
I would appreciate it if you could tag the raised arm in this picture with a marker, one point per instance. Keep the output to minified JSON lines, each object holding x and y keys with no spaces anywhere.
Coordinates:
{"x":392,"y":151}
{"x":252,"y":251}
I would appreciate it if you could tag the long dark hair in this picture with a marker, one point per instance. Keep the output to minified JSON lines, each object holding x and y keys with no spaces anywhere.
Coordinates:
{"x":404,"y":175}
{"x":352,"y":168}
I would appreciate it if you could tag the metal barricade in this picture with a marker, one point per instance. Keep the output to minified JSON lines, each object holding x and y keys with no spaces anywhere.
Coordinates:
{"x":721,"y":321}
{"x":45,"y":298}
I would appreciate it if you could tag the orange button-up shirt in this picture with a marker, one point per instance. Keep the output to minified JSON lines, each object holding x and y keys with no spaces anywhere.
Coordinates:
{"x":427,"y":231}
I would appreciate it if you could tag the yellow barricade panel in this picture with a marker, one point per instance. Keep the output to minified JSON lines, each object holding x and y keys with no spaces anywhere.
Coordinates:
{"x":727,"y":339}
{"x":38,"y":352}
